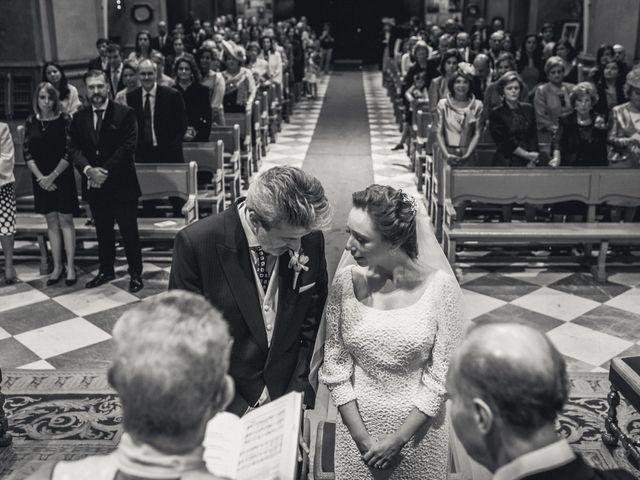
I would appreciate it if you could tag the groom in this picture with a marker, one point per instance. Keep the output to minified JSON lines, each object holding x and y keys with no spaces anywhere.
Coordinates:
{"x":261,"y":262}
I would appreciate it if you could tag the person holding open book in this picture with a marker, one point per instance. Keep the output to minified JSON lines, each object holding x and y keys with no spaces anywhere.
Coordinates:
{"x":165,"y":409}
{"x":392,"y":322}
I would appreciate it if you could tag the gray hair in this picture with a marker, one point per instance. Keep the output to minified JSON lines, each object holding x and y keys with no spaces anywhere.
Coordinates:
{"x":286,"y":195}
{"x":150,"y":62}
{"x":171,"y":355}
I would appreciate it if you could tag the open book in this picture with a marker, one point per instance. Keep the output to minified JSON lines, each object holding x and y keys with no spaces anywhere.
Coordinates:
{"x":263,"y":444}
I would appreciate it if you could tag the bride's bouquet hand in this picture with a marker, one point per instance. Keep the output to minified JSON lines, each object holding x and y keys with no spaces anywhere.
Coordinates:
{"x":383,"y":452}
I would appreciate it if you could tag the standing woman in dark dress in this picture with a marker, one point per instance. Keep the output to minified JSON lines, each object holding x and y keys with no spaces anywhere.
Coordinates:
{"x":610,"y":88}
{"x":515,"y":133}
{"x":196,"y":100}
{"x":46,"y":150}
{"x":582,"y":142}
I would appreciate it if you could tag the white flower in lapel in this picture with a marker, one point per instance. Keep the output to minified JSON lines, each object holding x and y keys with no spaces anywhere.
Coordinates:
{"x":298,"y":262}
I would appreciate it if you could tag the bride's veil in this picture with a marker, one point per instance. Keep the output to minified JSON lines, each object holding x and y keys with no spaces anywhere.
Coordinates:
{"x":430,"y":258}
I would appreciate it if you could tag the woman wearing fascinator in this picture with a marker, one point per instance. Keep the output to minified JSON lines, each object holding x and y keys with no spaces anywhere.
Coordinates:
{"x":392,"y":319}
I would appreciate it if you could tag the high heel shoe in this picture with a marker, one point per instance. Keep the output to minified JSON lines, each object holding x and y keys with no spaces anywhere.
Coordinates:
{"x":53,"y":281}
{"x":70,"y":282}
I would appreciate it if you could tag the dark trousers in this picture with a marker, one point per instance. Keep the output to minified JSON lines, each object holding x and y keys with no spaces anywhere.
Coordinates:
{"x":105,"y":213}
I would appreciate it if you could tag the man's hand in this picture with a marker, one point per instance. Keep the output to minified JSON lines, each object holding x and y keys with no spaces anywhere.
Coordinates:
{"x":46,"y":182}
{"x":383,"y":451}
{"x":97,"y":175}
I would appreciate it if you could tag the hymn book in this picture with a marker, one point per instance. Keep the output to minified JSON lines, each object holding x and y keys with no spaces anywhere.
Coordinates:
{"x":262,"y":444}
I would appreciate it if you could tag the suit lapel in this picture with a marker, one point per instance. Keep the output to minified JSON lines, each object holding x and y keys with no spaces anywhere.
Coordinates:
{"x":238,"y":269}
{"x":158,"y":109}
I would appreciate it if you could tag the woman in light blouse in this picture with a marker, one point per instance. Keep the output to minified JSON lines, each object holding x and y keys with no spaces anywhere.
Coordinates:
{"x":214,"y":81}
{"x":551,"y":99}
{"x":624,"y":139}
{"x":69,"y":98}
{"x":273,"y":58}
{"x":439,"y":85}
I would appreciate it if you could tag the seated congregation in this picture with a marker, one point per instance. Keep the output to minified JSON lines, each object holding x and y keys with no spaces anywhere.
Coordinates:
{"x":495,"y":134}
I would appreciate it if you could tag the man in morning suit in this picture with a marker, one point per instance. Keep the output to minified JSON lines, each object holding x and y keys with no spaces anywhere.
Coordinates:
{"x":262,"y":264}
{"x":163,"y":42}
{"x":114,"y":71}
{"x":507,"y":384}
{"x":162,"y":118}
{"x":104,"y":137}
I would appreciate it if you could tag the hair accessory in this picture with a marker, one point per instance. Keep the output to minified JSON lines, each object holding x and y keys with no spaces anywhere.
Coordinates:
{"x":406,"y":198}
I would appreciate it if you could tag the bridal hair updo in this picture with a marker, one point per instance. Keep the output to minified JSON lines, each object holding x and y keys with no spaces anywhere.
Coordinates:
{"x":393,"y":214}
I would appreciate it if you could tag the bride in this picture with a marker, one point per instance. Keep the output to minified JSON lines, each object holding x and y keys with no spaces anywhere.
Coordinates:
{"x":392,"y":321}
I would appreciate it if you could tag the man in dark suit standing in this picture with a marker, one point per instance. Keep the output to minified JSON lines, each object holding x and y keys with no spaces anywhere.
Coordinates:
{"x":262,"y":264}
{"x":162,"y":118}
{"x":163,"y":42}
{"x":100,"y":62}
{"x":114,"y":71}
{"x":507,"y":384}
{"x":104,"y":137}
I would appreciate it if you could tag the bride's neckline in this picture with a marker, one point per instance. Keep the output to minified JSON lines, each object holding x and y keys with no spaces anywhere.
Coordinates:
{"x":427,"y":283}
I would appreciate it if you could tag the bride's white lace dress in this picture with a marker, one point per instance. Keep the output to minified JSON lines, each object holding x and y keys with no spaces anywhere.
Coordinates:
{"x":391,"y":361}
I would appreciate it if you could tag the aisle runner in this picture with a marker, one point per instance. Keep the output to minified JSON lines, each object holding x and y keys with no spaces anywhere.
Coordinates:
{"x":389,"y":167}
{"x":295,"y":137}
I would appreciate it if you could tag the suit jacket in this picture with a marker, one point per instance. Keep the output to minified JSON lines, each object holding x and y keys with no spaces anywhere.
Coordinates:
{"x":579,"y":470}
{"x":115,"y":88}
{"x":211,"y":257}
{"x":95,"y":64}
{"x":166,"y":49}
{"x":113,"y":149}
{"x":169,"y":121}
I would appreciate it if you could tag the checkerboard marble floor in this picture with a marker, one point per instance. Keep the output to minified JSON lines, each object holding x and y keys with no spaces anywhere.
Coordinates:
{"x":590,"y":323}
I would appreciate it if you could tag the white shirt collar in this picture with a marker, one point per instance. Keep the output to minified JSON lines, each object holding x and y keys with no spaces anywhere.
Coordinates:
{"x":252,"y":240}
{"x":151,"y":92}
{"x":542,"y":460}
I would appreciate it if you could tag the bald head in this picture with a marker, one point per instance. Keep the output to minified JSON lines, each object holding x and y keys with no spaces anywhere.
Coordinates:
{"x":516,"y":370}
{"x":482,"y":64}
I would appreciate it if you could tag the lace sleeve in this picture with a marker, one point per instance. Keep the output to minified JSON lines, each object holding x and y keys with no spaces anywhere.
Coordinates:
{"x":337,"y":369}
{"x":26,"y":151}
{"x":67,"y":135}
{"x":431,"y":393}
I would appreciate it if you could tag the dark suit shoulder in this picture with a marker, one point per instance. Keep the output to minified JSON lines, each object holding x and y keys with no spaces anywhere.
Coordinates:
{"x":133,"y":94}
{"x":168,"y":91}
{"x":205,"y":230}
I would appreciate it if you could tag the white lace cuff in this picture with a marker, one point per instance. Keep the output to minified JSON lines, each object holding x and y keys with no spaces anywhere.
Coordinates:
{"x":429,"y":397}
{"x":342,"y":393}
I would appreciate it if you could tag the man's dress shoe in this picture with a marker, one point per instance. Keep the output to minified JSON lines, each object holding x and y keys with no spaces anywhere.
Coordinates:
{"x":100,"y":279}
{"x":135,"y":285}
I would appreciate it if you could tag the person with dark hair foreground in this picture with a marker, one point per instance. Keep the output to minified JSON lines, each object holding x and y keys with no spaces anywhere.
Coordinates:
{"x":262,"y":263}
{"x":392,"y":322}
{"x":165,"y":409}
{"x":507,"y":383}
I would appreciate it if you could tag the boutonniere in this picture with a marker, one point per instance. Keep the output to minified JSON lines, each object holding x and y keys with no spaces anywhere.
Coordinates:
{"x":298,"y":262}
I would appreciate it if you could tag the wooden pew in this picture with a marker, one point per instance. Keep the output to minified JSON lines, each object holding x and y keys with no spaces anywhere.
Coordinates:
{"x":264,"y":122}
{"x":157,"y":181}
{"x":230,"y":137}
{"x":245,"y":122}
{"x":256,"y":135}
{"x":209,"y":156}
{"x":422,"y":143}
{"x":592,"y":186}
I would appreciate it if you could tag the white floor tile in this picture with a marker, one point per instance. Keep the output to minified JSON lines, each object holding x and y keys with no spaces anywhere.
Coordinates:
{"x":556,"y":304}
{"x":38,"y":365}
{"x":62,"y":337}
{"x":629,"y":301}
{"x":476,"y":304}
{"x":630,"y":279}
{"x":587,"y":345}
{"x":539,"y":276}
{"x":4,"y":333}
{"x":92,"y":300}
{"x":10,"y":300}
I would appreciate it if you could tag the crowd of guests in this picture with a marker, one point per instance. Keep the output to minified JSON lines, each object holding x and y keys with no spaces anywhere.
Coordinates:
{"x":536,"y":103}
{"x":179,"y":84}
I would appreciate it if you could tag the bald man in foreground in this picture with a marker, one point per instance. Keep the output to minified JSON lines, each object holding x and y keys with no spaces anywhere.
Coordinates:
{"x":507,"y":383}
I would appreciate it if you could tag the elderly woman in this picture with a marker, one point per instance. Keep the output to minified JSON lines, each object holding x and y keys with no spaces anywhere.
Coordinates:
{"x":47,"y":153}
{"x":240,"y":86}
{"x":492,"y":99}
{"x":165,"y":409}
{"x":69,"y":98}
{"x":196,"y":100}
{"x":551,"y":100}
{"x":438,"y":89}
{"x":7,"y":202}
{"x":214,"y":81}
{"x":582,"y":142}
{"x":130,"y":80}
{"x":514,"y":130}
{"x":624,"y":138}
